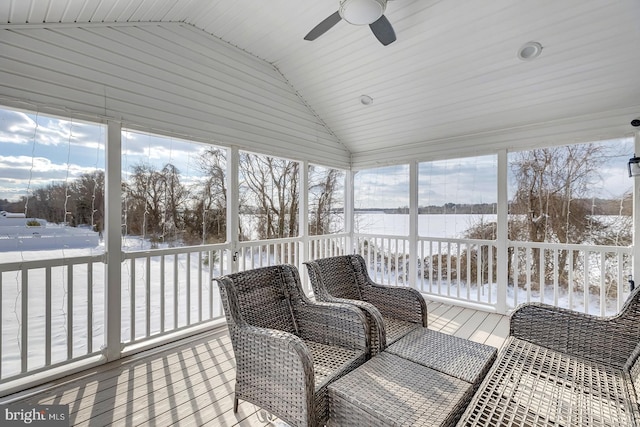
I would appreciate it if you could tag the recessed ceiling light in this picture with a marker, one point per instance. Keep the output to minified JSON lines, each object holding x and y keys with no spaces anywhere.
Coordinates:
{"x":366,"y":100}
{"x":529,"y":51}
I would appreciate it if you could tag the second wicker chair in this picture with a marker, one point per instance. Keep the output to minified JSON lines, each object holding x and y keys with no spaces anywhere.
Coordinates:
{"x":392,"y":311}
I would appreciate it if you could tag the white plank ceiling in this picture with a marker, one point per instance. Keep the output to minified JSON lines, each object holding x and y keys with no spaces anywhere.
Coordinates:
{"x":451,"y":75}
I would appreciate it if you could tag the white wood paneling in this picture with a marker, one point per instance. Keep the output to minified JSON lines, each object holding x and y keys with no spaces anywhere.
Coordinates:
{"x":170,"y":78}
{"x":451,"y":75}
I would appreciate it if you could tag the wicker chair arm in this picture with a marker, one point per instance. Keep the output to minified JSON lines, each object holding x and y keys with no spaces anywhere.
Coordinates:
{"x":609,"y":340}
{"x":272,"y":363}
{"x":374,"y":318}
{"x":402,"y":303}
{"x":333,"y":324}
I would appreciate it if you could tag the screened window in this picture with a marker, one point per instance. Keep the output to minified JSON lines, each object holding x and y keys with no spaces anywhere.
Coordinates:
{"x":269,"y":197}
{"x":174,"y":191}
{"x":381,"y":200}
{"x":326,"y":200}
{"x":51,"y":185}
{"x":458,"y":198}
{"x":578,"y":194}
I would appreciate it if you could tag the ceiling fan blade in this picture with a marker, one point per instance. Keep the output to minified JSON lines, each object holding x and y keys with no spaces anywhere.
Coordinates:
{"x":383,"y":31}
{"x":324,"y":26}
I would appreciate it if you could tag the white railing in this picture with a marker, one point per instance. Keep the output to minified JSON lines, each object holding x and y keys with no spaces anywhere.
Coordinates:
{"x":166,"y":290}
{"x":586,"y":278}
{"x":327,"y":246}
{"x":52,"y":311}
{"x":387,"y":258}
{"x":460,"y":269}
{"x":255,"y":254}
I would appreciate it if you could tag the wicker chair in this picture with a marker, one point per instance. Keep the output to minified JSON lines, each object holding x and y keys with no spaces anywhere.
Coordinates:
{"x":563,"y":368}
{"x":392,"y":312}
{"x":288,"y":349}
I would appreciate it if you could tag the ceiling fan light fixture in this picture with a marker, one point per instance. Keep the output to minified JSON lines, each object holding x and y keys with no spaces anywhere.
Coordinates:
{"x":362,"y":12}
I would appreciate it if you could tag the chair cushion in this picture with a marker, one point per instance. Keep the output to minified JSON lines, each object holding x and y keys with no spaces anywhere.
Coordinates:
{"x":397,"y":329}
{"x":329,"y":364}
{"x":466,"y":360}
{"x":391,"y":391}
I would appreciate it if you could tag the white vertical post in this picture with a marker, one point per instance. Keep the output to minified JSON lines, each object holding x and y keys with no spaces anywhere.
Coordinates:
{"x":349,"y":210}
{"x":502,"y":233}
{"x":412,"y":276}
{"x":112,"y":237}
{"x":303,"y":223}
{"x":233,"y":201}
{"x":636,"y":218}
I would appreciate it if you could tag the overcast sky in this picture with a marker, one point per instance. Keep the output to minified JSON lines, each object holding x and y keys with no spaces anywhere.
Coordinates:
{"x":36,"y":150}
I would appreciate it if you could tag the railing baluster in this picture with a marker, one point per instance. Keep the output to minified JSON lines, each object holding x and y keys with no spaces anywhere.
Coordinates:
{"x":528,"y":257}
{"x":585,"y":285}
{"x":132,"y":298}
{"x":433,"y":272}
{"x":478,"y":249}
{"x":89,"y":307}
{"x":570,"y":275}
{"x":555,"y":277}
{"x":69,"y":311}
{"x":490,"y":281}
{"x":619,"y":291}
{"x":163,"y":296}
{"x":147,"y":292}
{"x":210,"y":282}
{"x":24,"y":325}
{"x":188,"y":285}
{"x":200,"y":300}
{"x":603,"y":285}
{"x":176,"y":300}
{"x":47,"y":315}
{"x":541,"y":273}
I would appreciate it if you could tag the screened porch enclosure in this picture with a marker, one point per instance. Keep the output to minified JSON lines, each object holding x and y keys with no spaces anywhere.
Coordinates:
{"x":71,"y":310}
{"x":454,"y":178}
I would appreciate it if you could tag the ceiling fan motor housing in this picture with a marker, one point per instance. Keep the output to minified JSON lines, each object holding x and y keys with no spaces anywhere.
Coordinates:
{"x":362,"y":12}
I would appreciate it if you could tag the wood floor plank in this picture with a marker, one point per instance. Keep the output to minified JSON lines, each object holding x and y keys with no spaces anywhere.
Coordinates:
{"x":444,"y":318}
{"x":472,"y":323}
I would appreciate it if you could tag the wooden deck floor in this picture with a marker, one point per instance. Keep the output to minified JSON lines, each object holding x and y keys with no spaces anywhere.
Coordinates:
{"x":191,"y":384}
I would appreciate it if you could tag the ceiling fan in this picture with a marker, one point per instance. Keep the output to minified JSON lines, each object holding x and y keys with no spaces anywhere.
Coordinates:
{"x":359,"y":12}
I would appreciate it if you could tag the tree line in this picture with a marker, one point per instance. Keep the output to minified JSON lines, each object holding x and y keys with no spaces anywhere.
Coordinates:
{"x":160,"y":205}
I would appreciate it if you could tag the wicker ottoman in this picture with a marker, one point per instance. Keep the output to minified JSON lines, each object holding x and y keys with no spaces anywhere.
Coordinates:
{"x":389,"y":390}
{"x":460,"y":358}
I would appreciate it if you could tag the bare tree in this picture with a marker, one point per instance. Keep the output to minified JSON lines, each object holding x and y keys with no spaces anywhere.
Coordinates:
{"x":549,"y":204}
{"x":209,"y":216}
{"x":323,"y":187}
{"x":144,"y":193}
{"x":274,"y":190}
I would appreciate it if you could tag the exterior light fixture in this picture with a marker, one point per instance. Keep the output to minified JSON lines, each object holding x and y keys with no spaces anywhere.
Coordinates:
{"x":634,"y":166}
{"x":529,"y":51}
{"x":362,"y":12}
{"x":366,"y":100}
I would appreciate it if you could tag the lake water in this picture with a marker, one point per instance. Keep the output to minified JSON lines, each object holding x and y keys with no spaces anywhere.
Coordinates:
{"x":440,"y":225}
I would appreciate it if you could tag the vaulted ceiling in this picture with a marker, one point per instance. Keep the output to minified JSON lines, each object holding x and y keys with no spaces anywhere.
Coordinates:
{"x":452,"y":73}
